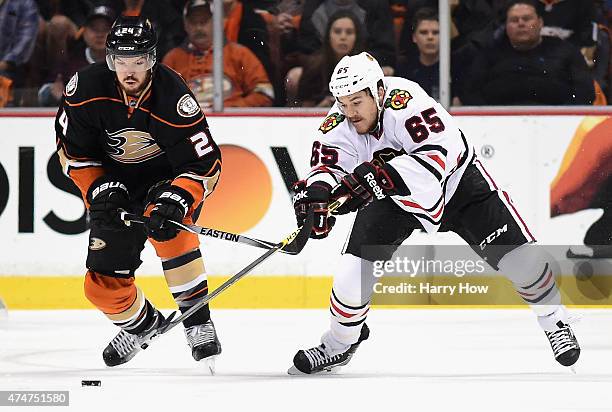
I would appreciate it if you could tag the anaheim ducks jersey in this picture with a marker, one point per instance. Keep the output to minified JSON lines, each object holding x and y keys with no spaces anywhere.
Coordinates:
{"x":162,"y":135}
{"x":415,"y":135}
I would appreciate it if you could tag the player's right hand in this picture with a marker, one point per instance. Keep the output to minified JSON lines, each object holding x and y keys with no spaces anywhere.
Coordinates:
{"x":316,"y":196}
{"x":106,"y":196}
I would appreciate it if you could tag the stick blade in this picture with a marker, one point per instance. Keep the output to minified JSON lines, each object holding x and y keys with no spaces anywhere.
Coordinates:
{"x":296,"y":245}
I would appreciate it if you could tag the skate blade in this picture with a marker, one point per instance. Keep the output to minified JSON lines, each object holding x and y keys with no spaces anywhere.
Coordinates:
{"x":210,"y":364}
{"x":293,"y":371}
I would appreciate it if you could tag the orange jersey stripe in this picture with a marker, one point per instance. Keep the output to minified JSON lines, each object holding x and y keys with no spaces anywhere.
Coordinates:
{"x":93,"y":100}
{"x":84,"y":177}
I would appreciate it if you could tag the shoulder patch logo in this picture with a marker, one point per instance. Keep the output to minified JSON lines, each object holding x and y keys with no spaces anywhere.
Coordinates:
{"x":398,"y":99}
{"x":187,"y":106}
{"x":72,"y":85}
{"x":96,"y":243}
{"x":331,"y":121}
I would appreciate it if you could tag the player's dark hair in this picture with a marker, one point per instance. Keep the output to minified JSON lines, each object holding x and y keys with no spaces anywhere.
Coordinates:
{"x":422,"y":14}
{"x":379,"y":84}
{"x":537,"y":6}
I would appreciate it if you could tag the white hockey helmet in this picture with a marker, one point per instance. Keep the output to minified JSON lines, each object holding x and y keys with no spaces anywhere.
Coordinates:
{"x":355,"y":73}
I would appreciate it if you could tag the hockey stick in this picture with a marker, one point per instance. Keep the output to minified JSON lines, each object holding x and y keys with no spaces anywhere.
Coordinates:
{"x":214,"y":233}
{"x":298,"y":238}
{"x":290,"y":249}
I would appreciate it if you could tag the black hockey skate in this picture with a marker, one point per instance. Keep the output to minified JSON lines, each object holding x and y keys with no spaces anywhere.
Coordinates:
{"x":126,"y":345}
{"x":564,"y":344}
{"x":317,"y":360}
{"x":204,"y":343}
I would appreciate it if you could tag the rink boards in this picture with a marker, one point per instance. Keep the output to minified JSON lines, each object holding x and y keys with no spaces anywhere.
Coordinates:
{"x":44,"y":239}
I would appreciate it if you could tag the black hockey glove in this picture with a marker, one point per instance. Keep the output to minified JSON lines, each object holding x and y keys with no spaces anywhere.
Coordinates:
{"x":316,"y":196}
{"x":366,"y":183}
{"x":172,"y":203}
{"x":105,"y":196}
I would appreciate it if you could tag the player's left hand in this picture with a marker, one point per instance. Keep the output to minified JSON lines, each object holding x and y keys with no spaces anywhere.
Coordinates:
{"x":368,"y":182}
{"x":172,"y":203}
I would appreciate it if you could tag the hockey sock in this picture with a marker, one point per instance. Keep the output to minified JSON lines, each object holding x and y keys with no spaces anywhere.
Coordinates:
{"x":348,"y":306}
{"x":532,"y":274}
{"x":189,"y":294}
{"x":120,"y":300}
{"x":188,"y":284}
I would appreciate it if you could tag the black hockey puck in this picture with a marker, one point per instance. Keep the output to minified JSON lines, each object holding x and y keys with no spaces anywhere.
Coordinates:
{"x":91,"y":383}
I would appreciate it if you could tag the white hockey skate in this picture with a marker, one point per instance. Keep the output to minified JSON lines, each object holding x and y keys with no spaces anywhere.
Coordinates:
{"x":204,"y":344}
{"x":319,"y":360}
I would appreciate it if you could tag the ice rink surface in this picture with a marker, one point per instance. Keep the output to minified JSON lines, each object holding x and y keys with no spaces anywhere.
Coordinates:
{"x":415,"y":360}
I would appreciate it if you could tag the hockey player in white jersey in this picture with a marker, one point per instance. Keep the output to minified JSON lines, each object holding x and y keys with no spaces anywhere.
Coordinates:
{"x":402,"y":162}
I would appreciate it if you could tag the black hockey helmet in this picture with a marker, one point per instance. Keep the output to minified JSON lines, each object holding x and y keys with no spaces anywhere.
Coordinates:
{"x":131,"y":37}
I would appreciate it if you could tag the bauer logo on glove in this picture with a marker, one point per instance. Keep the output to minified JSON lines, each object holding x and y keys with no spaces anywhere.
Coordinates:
{"x":105,"y":197}
{"x":171,"y":205}
{"x":175,"y":197}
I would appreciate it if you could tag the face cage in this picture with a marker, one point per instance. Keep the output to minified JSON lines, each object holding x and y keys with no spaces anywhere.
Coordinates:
{"x":126,"y":63}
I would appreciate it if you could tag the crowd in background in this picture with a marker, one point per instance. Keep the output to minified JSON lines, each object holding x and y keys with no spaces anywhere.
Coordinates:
{"x":282,"y":52}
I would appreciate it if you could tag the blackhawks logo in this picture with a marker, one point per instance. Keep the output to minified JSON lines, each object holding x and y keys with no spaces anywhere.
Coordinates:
{"x":331,"y":121}
{"x":398,"y":99}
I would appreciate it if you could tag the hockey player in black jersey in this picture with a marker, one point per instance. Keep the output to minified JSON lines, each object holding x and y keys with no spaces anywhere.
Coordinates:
{"x":131,"y":136}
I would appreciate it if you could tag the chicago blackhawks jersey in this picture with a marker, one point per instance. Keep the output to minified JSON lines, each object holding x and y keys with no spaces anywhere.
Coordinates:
{"x":415,"y":135}
{"x":161,"y":135}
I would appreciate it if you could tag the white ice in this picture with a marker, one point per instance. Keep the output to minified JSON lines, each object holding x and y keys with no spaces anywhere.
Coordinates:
{"x":417,"y":360}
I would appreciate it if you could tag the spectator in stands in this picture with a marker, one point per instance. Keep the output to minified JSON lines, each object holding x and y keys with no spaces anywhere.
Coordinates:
{"x":62,"y":20}
{"x":88,"y":48}
{"x":472,"y":25}
{"x":569,"y":20}
{"x":245,"y":23}
{"x":344,"y":36}
{"x":282,"y":22}
{"x":245,"y":26}
{"x":598,"y":56}
{"x":525,"y":68}
{"x":375,"y":16}
{"x":425,"y":70}
{"x":245,"y":82}
{"x":18,"y":28}
{"x":287,"y":22}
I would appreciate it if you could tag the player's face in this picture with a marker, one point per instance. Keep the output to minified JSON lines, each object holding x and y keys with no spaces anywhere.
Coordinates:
{"x":132,"y":73}
{"x":198,"y":26}
{"x":95,"y":33}
{"x":342,"y":36}
{"x":523,"y":26}
{"x":427,"y":37}
{"x":360,"y":109}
